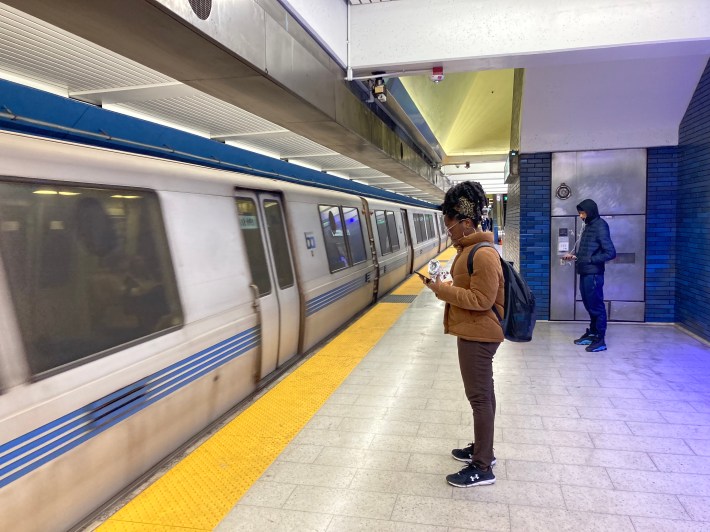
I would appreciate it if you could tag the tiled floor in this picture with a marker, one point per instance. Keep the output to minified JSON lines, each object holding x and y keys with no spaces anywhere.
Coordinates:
{"x":610,"y":441}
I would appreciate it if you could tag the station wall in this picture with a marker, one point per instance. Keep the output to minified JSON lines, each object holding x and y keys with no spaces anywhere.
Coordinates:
{"x":692,"y":297}
{"x":677,"y":281}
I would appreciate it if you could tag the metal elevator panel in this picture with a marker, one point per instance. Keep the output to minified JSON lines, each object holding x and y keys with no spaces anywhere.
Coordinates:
{"x":616,"y":181}
{"x":562,"y":275}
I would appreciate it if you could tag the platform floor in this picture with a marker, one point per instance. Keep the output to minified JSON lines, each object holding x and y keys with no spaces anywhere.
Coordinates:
{"x":617,"y":440}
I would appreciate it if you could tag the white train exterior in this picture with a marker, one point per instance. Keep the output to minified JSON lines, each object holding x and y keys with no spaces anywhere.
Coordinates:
{"x":141,"y":299}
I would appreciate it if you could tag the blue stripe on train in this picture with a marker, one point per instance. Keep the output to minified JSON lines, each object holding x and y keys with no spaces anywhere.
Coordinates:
{"x":34,"y":449}
{"x":323,"y":300}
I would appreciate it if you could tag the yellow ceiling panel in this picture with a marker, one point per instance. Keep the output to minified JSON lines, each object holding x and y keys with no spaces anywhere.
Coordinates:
{"x":468,"y":112}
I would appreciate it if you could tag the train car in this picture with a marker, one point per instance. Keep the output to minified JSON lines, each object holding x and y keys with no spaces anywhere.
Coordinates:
{"x":392,"y":243}
{"x":142,"y":299}
{"x":425,"y":235}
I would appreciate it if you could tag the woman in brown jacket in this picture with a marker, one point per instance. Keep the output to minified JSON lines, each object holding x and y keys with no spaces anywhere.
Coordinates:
{"x":469,"y":316}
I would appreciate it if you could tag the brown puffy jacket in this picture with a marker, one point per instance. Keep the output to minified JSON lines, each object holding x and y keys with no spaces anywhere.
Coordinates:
{"x":469,"y":300}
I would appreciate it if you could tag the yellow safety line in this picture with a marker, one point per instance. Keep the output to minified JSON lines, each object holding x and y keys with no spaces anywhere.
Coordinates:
{"x":200,"y":491}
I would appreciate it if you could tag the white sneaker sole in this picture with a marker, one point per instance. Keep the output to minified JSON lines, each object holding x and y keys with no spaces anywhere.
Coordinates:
{"x":481,"y":483}
{"x":468,"y":461}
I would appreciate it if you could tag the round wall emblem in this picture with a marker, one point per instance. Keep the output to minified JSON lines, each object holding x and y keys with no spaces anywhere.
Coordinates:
{"x":563,"y":192}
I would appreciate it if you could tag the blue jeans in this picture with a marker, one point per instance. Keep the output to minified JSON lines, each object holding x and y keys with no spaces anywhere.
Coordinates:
{"x":591,"y":287}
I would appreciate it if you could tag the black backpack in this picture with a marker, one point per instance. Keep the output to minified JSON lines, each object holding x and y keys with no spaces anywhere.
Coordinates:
{"x":519,"y":306}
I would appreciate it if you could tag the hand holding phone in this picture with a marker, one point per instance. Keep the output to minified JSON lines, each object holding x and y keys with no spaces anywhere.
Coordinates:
{"x":423,"y":277}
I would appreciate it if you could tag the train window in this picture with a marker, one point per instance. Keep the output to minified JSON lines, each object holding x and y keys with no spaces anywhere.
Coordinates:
{"x":334,"y":237}
{"x":431,"y":233}
{"x":88,"y":268}
{"x":249,"y":223}
{"x":419,"y":227}
{"x":382,"y":233}
{"x":355,"y":237}
{"x":392,"y":229}
{"x":279,"y":242}
{"x":387,"y":231}
{"x":402,"y":218}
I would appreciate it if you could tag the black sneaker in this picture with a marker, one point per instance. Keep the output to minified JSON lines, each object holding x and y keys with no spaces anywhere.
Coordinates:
{"x":586,"y":339}
{"x":471,"y":476}
{"x":597,"y":345}
{"x":466,"y":455}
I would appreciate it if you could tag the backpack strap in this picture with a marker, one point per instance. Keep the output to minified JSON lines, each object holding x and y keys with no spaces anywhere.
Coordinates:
{"x":469,"y":264}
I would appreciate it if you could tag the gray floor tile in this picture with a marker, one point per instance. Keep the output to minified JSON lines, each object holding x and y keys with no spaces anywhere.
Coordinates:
{"x":304,"y":454}
{"x":246,"y":518}
{"x":309,"y":474}
{"x":620,"y":414}
{"x":623,"y":503}
{"x":528,"y":519}
{"x":681,"y":463}
{"x":547,"y":437}
{"x":402,"y":482}
{"x":364,"y":459}
{"x":452,"y":513}
{"x":668,"y":430}
{"x":356,"y":524}
{"x":333,"y":438}
{"x":341,"y":502}
{"x":661,"y":482}
{"x":514,"y":492}
{"x":698,"y":508}
{"x":585,"y":425}
{"x":380,"y":426}
{"x":701,"y":447}
{"x":573,"y":475}
{"x":661,"y":405}
{"x":645,"y":524}
{"x":640,"y":443}
{"x":268,"y":494}
{"x":603,"y":458}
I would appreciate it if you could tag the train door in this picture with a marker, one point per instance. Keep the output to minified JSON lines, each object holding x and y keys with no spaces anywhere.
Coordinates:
{"x":373,"y":249}
{"x":261,"y":218}
{"x":408,"y":244}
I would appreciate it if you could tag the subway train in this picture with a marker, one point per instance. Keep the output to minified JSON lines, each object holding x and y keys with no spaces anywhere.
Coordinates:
{"x":141,"y":299}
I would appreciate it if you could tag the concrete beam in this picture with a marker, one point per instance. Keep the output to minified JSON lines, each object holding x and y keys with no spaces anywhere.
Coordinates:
{"x":465,"y":35}
{"x":250,"y":53}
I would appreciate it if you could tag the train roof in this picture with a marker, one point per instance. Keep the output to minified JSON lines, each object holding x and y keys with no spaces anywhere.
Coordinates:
{"x":36,"y":112}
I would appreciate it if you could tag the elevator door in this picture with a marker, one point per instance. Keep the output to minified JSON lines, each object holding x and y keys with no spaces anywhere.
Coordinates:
{"x":623,"y":277}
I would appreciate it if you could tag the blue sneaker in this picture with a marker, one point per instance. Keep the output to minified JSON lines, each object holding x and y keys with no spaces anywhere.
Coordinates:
{"x":471,"y":476}
{"x":466,"y":454}
{"x":597,"y":345}
{"x":586,"y":339}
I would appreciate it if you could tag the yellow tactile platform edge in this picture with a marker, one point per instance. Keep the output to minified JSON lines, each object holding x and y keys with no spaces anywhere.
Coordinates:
{"x":200,"y":491}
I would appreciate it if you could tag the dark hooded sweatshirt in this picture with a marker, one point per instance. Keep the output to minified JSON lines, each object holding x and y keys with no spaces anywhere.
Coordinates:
{"x":595,"y":247}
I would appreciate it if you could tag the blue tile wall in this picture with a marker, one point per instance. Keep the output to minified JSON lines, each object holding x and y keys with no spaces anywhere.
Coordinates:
{"x":692,"y":289}
{"x":661,"y":226}
{"x":535,"y":216}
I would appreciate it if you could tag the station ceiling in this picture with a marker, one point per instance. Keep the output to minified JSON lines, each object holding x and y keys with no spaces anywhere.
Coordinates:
{"x":514,"y":79}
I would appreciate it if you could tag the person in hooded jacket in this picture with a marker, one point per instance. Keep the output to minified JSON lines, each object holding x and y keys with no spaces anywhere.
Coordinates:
{"x":593,"y":250}
{"x":468,"y":314}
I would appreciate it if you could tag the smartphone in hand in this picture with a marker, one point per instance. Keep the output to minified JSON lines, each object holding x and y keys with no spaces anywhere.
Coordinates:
{"x":423,"y":277}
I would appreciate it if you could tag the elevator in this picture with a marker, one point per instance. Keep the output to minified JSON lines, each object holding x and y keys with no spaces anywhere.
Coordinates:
{"x":616,"y":181}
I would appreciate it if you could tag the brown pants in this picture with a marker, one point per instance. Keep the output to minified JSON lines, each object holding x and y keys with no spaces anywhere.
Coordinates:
{"x":476,"y":363}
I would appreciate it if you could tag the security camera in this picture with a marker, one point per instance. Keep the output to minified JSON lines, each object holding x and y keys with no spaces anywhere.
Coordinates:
{"x":379,"y":91}
{"x":437,"y":74}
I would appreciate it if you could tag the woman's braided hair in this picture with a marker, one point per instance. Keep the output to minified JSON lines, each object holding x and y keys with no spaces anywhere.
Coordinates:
{"x":465,"y":200}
